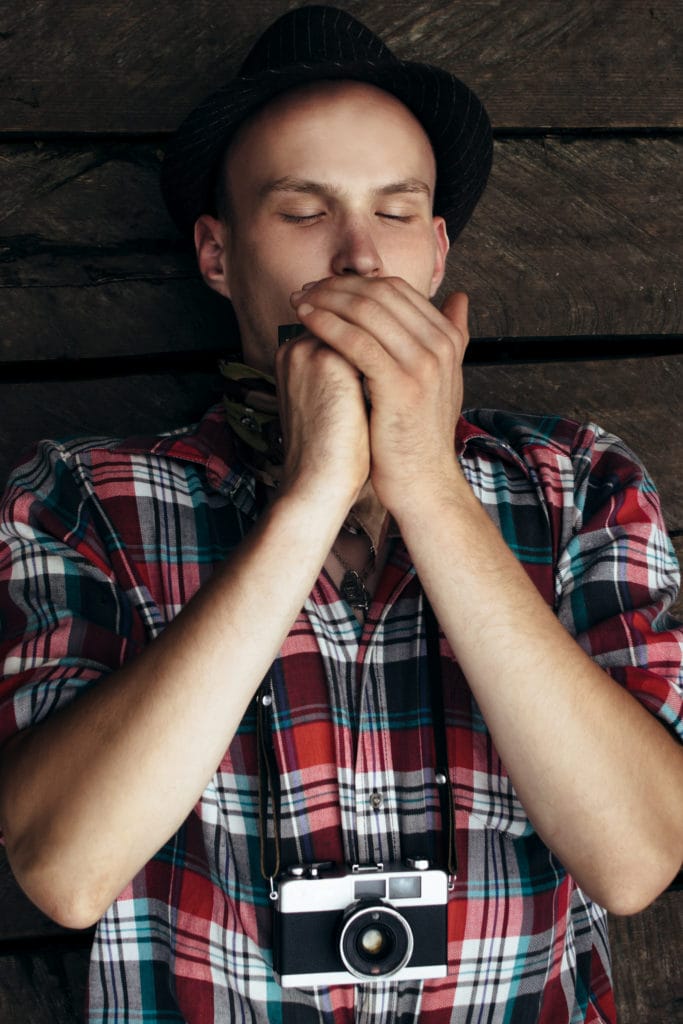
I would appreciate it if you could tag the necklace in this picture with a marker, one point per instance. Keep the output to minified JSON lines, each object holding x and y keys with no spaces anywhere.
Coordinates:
{"x":353,"y":588}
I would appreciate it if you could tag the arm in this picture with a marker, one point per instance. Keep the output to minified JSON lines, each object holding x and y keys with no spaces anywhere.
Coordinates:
{"x":91,"y":793}
{"x":599,"y":777}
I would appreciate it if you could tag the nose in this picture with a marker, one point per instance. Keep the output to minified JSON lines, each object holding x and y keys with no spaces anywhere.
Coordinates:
{"x":356,"y":252}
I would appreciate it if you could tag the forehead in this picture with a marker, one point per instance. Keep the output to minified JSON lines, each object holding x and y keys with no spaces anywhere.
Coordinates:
{"x":335,"y":129}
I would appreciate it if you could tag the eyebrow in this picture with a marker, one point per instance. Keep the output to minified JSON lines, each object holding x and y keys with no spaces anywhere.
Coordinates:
{"x":307,"y":187}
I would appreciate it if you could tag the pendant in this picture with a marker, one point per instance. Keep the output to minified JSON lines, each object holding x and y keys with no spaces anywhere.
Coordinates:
{"x":354,"y":592}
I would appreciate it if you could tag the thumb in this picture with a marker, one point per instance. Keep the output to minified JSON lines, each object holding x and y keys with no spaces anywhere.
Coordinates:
{"x":454,"y":308}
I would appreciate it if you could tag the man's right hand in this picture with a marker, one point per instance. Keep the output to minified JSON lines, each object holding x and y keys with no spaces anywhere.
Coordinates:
{"x":324,"y":421}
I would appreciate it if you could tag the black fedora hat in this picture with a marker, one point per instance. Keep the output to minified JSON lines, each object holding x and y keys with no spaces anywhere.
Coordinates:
{"x":315,"y":43}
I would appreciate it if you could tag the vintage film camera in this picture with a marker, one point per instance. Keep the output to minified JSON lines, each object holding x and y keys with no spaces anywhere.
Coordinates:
{"x":340,"y":926}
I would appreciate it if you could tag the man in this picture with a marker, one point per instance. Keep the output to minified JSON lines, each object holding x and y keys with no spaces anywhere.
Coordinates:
{"x":218,"y":652}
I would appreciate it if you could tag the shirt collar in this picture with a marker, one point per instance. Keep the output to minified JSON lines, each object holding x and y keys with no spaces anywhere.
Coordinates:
{"x":475,"y":430}
{"x":210,"y":444}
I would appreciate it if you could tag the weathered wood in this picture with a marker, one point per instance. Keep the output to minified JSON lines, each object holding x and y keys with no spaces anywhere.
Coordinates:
{"x":641,"y":400}
{"x":677,"y":609}
{"x":43,"y":987}
{"x":570,"y":238}
{"x":646,"y":961}
{"x":119,"y":407}
{"x":138,"y":66}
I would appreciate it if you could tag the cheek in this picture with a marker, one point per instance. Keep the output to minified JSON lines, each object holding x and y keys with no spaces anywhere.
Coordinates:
{"x":414,"y":261}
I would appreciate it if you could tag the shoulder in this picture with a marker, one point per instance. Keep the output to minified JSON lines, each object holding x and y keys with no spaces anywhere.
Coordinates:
{"x":93,"y":462}
{"x":582,"y":448}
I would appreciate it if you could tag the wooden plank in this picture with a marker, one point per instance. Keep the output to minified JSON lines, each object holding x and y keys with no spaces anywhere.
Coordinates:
{"x":646,"y":960}
{"x":677,"y":609}
{"x":576,"y":237}
{"x":119,"y":407}
{"x":138,"y":66}
{"x":570,"y":238}
{"x":640,"y":400}
{"x":45,"y":987}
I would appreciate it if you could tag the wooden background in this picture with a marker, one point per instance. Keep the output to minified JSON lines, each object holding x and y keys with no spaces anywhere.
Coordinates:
{"x":572,"y":262}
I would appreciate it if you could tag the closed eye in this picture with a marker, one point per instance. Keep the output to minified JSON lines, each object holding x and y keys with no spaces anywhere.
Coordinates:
{"x":404,"y":218}
{"x":297,"y":218}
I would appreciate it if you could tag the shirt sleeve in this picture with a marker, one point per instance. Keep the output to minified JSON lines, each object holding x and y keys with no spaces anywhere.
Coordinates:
{"x":617,"y":575}
{"x":65,"y":620}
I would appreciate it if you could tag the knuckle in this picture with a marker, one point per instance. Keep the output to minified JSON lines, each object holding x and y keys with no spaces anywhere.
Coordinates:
{"x":386,"y":287}
{"x":367,"y":307}
{"x":430,"y":364}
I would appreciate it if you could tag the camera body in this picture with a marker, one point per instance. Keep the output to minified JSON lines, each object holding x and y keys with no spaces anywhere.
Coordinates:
{"x":348,"y":926}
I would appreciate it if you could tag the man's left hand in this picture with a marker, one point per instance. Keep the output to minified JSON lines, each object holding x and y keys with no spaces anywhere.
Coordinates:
{"x":410,"y":355}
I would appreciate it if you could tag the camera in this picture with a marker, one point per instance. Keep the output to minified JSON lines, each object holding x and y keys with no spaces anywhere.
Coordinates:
{"x":339,"y":926}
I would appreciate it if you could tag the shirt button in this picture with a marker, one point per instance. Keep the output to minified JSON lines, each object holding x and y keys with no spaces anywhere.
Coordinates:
{"x":376,"y":800}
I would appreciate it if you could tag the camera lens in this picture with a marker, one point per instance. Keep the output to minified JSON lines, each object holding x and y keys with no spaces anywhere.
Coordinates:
{"x":375,"y":941}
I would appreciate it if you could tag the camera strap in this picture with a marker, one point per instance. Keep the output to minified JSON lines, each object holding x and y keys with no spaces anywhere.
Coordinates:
{"x":268,"y":786}
{"x":269,"y":776}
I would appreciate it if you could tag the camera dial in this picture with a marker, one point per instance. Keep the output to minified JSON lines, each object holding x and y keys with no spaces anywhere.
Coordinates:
{"x":375,"y":941}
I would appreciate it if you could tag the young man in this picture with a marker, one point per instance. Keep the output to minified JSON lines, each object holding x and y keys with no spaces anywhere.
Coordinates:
{"x":219,"y":658}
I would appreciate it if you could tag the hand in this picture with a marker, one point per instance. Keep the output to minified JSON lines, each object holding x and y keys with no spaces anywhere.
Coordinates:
{"x":410,"y":355}
{"x":324,"y":420}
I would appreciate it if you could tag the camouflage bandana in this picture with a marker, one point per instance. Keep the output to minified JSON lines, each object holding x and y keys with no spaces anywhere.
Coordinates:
{"x":251,"y":409}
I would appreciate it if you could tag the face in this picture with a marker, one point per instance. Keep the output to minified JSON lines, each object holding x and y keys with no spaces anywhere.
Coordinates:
{"x":335,"y":178}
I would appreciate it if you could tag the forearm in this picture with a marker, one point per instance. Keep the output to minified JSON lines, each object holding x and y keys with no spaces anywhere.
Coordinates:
{"x":87,"y":797}
{"x":598,"y":776}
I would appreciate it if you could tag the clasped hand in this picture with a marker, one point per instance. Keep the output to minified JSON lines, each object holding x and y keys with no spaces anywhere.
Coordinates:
{"x":381,"y":336}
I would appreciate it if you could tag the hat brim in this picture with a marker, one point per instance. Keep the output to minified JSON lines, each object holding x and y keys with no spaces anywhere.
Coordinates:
{"x":451,"y":114}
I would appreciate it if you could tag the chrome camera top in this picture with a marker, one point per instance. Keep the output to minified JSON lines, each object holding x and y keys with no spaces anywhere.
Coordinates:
{"x":339,"y":926}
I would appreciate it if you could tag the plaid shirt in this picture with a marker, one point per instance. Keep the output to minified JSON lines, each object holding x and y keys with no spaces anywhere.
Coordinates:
{"x":103,"y":542}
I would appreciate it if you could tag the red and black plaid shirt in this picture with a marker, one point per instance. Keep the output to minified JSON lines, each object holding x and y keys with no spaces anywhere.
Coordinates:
{"x":102,"y":543}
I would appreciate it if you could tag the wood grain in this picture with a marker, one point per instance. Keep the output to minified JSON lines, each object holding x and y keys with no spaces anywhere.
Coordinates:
{"x":120,"y":407}
{"x":45,"y":987}
{"x":138,"y":66}
{"x":646,"y":961}
{"x":571,"y":238}
{"x":640,"y":400}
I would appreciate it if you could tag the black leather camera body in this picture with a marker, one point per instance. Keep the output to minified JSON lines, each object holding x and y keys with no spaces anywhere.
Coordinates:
{"x":335,"y":925}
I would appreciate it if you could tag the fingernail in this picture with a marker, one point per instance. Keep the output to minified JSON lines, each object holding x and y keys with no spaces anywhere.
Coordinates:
{"x":304,"y":309}
{"x":295,"y":296}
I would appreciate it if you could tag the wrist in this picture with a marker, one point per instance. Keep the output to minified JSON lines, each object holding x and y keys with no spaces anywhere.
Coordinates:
{"x":316,"y":497}
{"x":429,"y":496}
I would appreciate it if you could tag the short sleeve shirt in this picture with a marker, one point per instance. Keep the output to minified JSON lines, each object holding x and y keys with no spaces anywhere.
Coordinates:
{"x":102,"y":543}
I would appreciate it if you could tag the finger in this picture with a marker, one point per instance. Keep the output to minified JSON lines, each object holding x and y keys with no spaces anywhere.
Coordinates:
{"x":394,"y":293}
{"x":456,"y":308}
{"x":365,"y":319}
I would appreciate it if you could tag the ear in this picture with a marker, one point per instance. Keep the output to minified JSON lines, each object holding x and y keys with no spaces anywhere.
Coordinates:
{"x":210,"y":242}
{"x":442,"y":247}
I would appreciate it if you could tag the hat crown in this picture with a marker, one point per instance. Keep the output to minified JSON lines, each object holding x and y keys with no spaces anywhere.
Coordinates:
{"x":314,"y":35}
